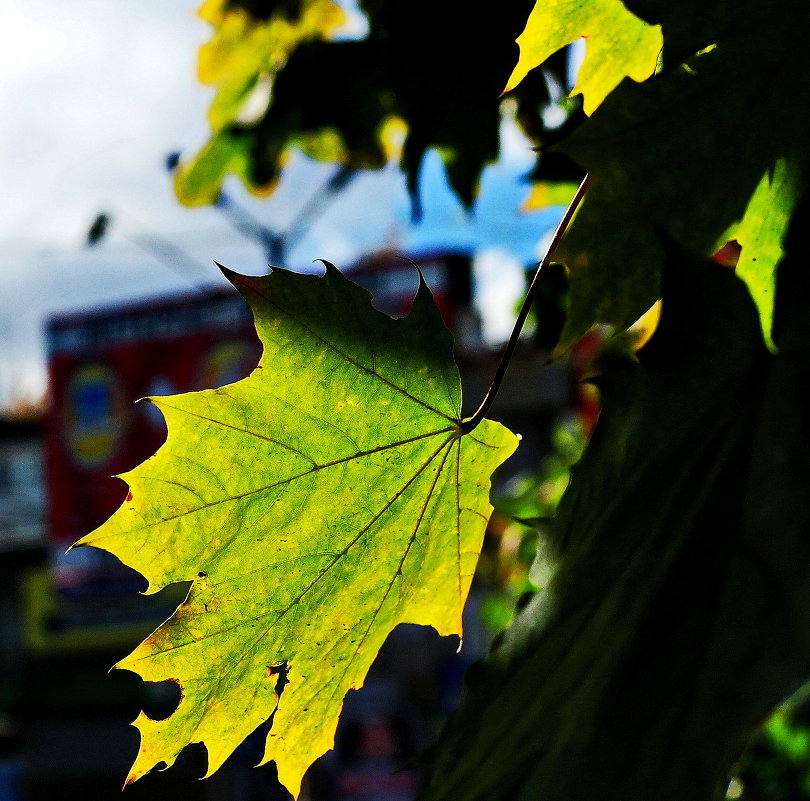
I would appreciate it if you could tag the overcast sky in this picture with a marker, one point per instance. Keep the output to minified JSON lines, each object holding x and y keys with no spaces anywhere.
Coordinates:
{"x":95,"y":94}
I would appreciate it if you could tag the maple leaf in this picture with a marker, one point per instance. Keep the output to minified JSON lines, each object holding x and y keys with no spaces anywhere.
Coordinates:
{"x":315,"y":505}
{"x":619,"y":44}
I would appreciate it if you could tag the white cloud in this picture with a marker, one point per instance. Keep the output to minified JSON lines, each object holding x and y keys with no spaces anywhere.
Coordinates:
{"x":499,"y":284}
{"x":94,"y":89}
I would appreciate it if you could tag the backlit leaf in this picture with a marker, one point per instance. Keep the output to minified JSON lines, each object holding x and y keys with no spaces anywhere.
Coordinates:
{"x":760,"y":232}
{"x":619,"y":44}
{"x":315,"y":505}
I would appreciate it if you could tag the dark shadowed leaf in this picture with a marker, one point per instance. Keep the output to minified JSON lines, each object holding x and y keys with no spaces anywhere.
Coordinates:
{"x":670,"y":627}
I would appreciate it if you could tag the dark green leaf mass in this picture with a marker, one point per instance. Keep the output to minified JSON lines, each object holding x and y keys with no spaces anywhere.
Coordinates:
{"x":677,"y":616}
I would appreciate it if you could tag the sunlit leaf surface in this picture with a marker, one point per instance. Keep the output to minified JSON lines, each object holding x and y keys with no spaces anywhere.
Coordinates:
{"x":315,"y":505}
{"x":618,"y":44}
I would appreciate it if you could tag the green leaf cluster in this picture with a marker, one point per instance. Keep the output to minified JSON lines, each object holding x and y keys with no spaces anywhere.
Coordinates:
{"x":251,"y":43}
{"x":702,"y":134}
{"x":434,"y":70}
{"x":712,"y":148}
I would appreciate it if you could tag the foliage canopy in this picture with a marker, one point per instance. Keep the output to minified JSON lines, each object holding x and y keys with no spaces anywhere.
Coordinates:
{"x":711,"y":147}
{"x":677,"y":613}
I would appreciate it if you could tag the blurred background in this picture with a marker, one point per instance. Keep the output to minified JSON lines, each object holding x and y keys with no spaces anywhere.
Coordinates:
{"x":110,"y":293}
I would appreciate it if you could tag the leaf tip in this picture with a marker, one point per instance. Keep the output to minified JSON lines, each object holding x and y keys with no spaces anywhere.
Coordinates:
{"x":423,"y":292}
{"x":226,"y":271}
{"x":330,"y":268}
{"x":233,"y":277}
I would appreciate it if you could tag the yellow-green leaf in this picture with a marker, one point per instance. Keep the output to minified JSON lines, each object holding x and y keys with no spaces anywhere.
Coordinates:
{"x":760,"y":232}
{"x":619,"y":44}
{"x":315,"y":505}
{"x":199,"y":182}
{"x":243,"y":47}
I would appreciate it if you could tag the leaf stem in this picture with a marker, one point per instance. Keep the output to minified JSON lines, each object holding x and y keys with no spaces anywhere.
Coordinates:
{"x":471,"y":422}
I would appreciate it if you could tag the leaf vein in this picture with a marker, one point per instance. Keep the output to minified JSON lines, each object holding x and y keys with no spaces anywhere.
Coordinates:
{"x":315,"y":469}
{"x":281,"y":613}
{"x":348,"y":358}
{"x":348,"y":661}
